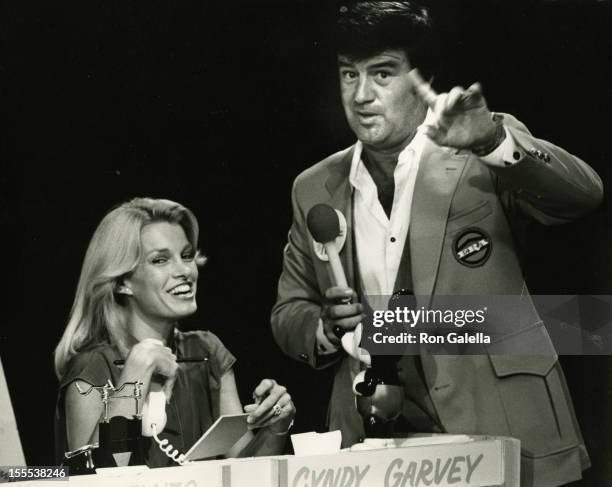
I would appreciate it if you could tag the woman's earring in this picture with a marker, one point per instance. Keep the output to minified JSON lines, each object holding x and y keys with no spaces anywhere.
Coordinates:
{"x":125,"y":290}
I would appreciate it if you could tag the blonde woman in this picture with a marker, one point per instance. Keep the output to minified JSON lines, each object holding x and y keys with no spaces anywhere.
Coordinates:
{"x":139,"y":278}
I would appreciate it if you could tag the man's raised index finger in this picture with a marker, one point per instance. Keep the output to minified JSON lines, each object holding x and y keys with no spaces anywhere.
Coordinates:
{"x":422,"y":88}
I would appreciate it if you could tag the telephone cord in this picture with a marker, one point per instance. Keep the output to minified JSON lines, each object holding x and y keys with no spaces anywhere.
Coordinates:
{"x":168,"y":449}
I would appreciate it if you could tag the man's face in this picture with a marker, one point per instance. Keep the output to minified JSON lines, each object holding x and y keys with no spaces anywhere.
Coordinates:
{"x":378,"y":100}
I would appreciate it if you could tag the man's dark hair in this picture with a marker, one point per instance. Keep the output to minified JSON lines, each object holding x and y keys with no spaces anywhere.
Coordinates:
{"x":365,"y":28}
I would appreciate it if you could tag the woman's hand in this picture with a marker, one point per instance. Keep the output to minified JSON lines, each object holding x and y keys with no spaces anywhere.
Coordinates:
{"x":273,"y":408}
{"x":147,"y":358}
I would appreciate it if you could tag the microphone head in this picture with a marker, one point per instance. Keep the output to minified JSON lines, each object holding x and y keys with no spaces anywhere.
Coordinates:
{"x":323,"y":223}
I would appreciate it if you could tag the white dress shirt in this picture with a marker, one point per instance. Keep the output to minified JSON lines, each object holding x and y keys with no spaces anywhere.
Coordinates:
{"x":379,"y":239}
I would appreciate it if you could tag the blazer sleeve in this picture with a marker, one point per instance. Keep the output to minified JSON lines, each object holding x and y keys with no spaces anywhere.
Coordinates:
{"x":295,"y":316}
{"x":546,"y":183}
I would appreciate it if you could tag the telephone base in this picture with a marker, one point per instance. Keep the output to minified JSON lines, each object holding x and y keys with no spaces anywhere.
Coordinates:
{"x":119,"y":435}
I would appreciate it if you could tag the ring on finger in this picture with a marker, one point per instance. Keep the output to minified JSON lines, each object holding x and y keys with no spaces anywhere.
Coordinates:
{"x":277,"y":410}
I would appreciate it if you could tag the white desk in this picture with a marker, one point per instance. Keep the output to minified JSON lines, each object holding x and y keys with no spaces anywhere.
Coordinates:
{"x":480,"y":462}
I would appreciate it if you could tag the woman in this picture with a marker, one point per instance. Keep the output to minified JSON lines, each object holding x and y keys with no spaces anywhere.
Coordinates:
{"x":138,"y":279}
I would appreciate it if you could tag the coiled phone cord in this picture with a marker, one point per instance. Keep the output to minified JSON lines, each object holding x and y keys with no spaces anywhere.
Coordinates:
{"x":168,"y":449}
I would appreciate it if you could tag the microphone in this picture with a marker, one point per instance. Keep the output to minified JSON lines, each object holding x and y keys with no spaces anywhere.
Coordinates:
{"x":378,"y":395}
{"x":324,"y":225}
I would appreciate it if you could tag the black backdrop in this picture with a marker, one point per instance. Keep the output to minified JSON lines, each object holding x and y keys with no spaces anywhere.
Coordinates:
{"x":219,"y":105}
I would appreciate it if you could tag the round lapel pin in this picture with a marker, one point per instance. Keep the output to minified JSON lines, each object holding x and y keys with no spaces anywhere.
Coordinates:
{"x":472,"y":247}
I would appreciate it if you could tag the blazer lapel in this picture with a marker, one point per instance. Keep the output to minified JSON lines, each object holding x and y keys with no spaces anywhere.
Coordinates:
{"x":341,"y":192}
{"x":439,"y":172}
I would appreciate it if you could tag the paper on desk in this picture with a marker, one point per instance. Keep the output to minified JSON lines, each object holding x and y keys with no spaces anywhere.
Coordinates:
{"x":220,"y":437}
{"x":438,"y":439}
{"x":313,"y":443}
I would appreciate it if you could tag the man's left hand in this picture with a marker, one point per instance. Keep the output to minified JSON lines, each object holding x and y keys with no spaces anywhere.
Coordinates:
{"x":463,"y":120}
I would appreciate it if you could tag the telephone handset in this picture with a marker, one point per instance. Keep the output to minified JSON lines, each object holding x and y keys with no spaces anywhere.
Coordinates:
{"x":154,"y":421}
{"x":154,"y":411}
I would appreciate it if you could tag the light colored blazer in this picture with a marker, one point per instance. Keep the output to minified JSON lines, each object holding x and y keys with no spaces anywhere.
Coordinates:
{"x":494,"y":393}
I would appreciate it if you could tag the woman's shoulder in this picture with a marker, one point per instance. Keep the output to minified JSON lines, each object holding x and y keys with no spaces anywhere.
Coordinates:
{"x":206,"y":345}
{"x":198,"y":342}
{"x":92,"y":365}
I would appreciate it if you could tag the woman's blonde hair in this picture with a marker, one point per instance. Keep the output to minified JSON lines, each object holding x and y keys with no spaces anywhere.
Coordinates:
{"x":97,"y":314}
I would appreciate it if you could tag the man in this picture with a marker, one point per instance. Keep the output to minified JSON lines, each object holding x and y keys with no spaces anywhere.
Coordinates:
{"x":425,"y":170}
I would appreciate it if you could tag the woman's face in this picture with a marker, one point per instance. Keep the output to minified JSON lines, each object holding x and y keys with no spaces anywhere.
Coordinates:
{"x":163,"y":285}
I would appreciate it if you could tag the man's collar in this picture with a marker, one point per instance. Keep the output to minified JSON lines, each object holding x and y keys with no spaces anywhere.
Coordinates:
{"x":414,"y":146}
{"x":339,"y":170}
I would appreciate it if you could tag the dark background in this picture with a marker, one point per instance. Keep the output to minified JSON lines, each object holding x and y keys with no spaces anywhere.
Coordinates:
{"x":219,"y":105}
